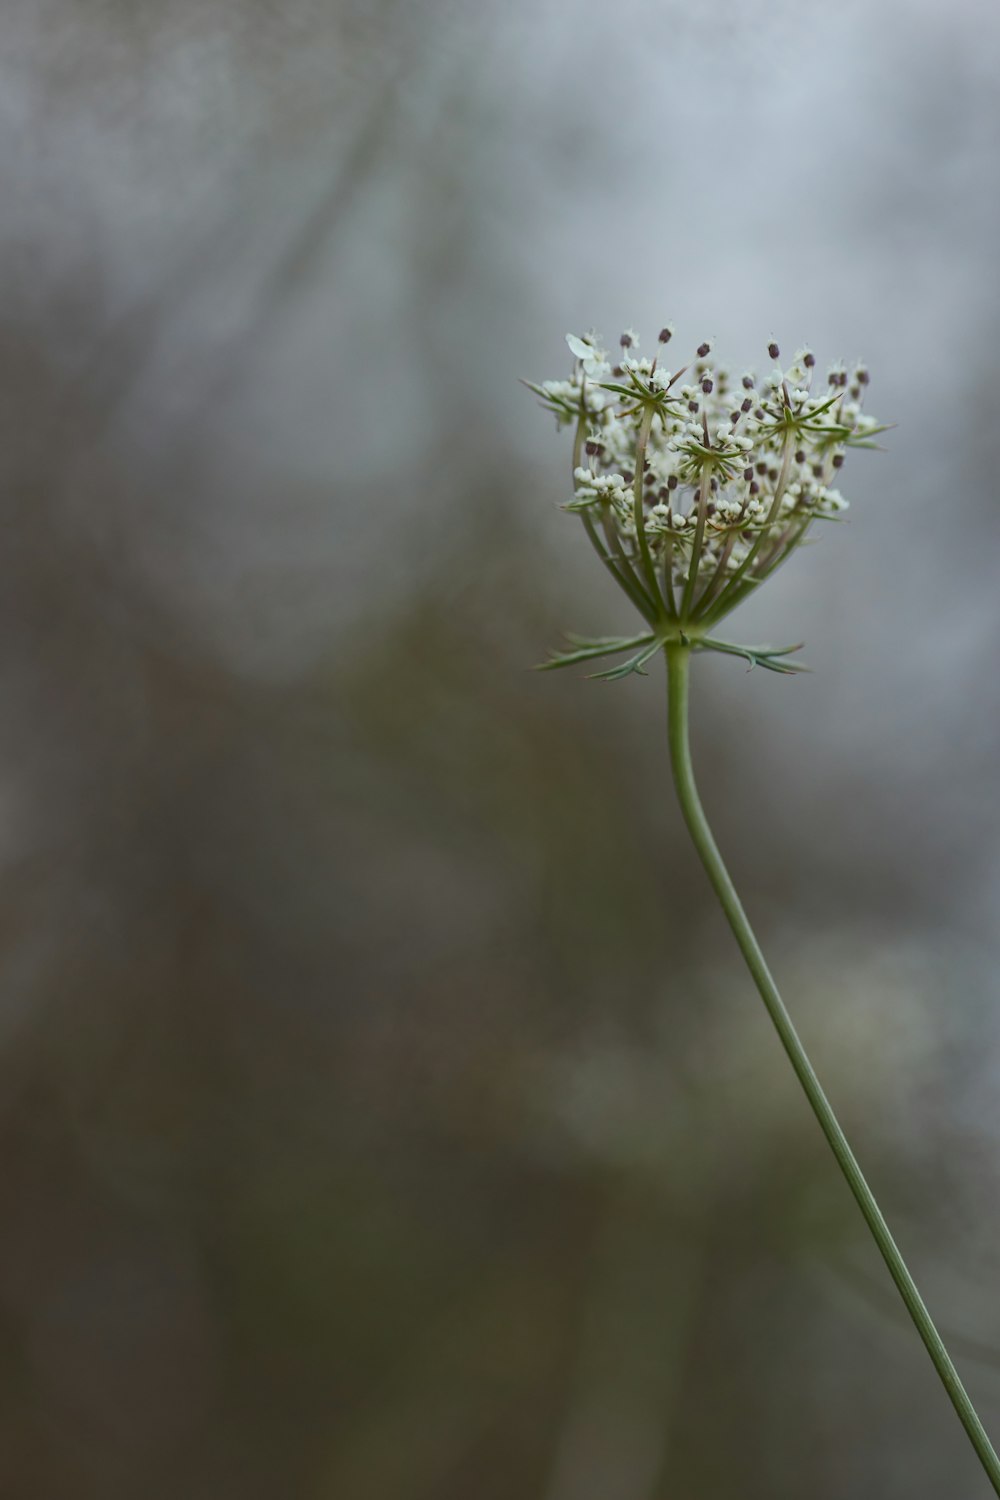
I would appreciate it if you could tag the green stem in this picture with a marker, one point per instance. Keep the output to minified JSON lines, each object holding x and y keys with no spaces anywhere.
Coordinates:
{"x":622,"y":573}
{"x":699,"y":534}
{"x":648,"y":568}
{"x":620,"y":569}
{"x":726,"y":601}
{"x":678,"y":663}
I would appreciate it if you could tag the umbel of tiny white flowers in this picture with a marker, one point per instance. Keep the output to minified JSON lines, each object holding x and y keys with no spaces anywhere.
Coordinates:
{"x":694,"y":485}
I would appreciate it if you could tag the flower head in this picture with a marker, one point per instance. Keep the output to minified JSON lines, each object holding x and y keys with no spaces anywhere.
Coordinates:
{"x":693,"y":493}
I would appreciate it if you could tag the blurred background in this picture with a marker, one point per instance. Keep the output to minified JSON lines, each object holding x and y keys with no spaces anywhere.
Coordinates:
{"x":385,"y":1113}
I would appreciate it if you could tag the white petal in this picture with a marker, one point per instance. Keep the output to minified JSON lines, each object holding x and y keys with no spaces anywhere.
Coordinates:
{"x":580,"y":347}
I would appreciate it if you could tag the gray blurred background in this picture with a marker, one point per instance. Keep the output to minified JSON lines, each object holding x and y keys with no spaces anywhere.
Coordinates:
{"x":384,"y":1111}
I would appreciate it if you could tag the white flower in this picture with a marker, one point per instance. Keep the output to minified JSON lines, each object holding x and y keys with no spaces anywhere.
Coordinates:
{"x":593,"y":488}
{"x":593,"y":358}
{"x":751,"y":488}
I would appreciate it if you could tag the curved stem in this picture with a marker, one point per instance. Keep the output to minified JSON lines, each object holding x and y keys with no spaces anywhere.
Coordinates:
{"x":718,"y":578}
{"x":678,"y":663}
{"x":619,"y":566}
{"x":727,"y":599}
{"x":648,"y":567}
{"x":621,"y":572}
{"x":699,"y":535}
{"x":668,"y":577}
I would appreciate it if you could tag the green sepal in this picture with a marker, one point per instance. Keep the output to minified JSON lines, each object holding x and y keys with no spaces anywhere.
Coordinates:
{"x":862,"y":440}
{"x":588,"y":649}
{"x":620,"y":390}
{"x":634,"y":664}
{"x":768,"y":657}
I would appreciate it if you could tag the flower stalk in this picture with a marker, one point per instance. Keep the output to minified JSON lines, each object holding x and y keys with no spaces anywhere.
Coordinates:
{"x":678,"y":675}
{"x":701,"y":491}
